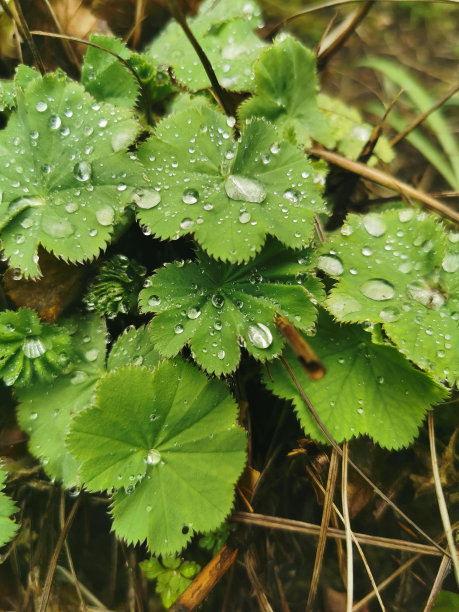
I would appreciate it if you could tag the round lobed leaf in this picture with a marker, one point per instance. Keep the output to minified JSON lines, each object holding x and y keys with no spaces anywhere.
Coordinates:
{"x":399,"y":268}
{"x":174,"y":451}
{"x":230,"y":195}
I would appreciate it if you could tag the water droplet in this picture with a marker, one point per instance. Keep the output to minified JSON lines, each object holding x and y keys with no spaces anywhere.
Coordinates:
{"x":79,"y":377}
{"x":54,"y":122}
{"x":178,"y":329}
{"x":380,"y":380}
{"x":374,"y":225}
{"x":146,"y":198}
{"x":153,"y":457}
{"x":367,"y":251}
{"x":260,"y":335}
{"x":82,"y":171}
{"x":92,"y":354}
{"x":377,"y":289}
{"x":218,"y":325}
{"x":33,"y":348}
{"x":154,"y":300}
{"x":244,"y":217}
{"x":33,"y":416}
{"x":239,"y":304}
{"x":389,"y":315}
{"x":221,"y":354}
{"x":331,"y":265}
{"x":186,"y":223}
{"x":344,"y":305}
{"x":405,"y":215}
{"x":41,"y":106}
{"x":244,"y":189}
{"x":425,"y":294}
{"x":217,"y":300}
{"x":450,"y":262}
{"x":190,"y":196}
{"x":291,"y":195}
{"x":105,"y":215}
{"x":57,"y":227}
{"x":193,"y":313}
{"x":274,"y":148}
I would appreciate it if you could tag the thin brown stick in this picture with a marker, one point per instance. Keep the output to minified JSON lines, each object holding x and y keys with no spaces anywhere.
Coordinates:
{"x":260,"y":593}
{"x":57,"y":551}
{"x":28,"y":36}
{"x":362,"y":474}
{"x":92,"y":599}
{"x":69,"y":50}
{"x":381,"y":178}
{"x":67,"y":553}
{"x":326,"y":514}
{"x":343,"y":35}
{"x":347,"y":527}
{"x":138,"y":20}
{"x":443,"y":571}
{"x":300,"y":527}
{"x":441,"y":497}
{"x":414,"y":124}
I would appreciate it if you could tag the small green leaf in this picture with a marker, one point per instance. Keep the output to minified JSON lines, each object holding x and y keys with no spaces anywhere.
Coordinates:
{"x":230,"y":195}
{"x":7,"y":526}
{"x":31,"y":351}
{"x":446,"y":602}
{"x":211,"y":305}
{"x":134,"y":346}
{"x":225,"y":31}
{"x":174,"y":451}
{"x":399,"y":268}
{"x":286,"y":93}
{"x":66,"y":176}
{"x":23,"y":77}
{"x":105,"y":77}
{"x":368,"y":388}
{"x":46,"y":410}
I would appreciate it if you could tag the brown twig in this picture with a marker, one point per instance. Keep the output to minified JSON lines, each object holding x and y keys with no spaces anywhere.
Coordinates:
{"x":28,"y":36}
{"x":324,"y":525}
{"x":347,"y":527}
{"x":68,"y":555}
{"x":381,"y":178}
{"x":443,"y":570}
{"x":69,"y":50}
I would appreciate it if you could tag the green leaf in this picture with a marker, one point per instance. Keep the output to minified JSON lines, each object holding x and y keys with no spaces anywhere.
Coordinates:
{"x":105,"y":77}
{"x":31,"y":351}
{"x":214,"y":307}
{"x":174,"y":451}
{"x":368,"y":388}
{"x":134,"y":346}
{"x":65,"y":177}
{"x":398,"y":268}
{"x":172,"y":579}
{"x":23,"y":77}
{"x":286,"y":93}
{"x":7,"y":526}
{"x":229,"y":194}
{"x":446,"y":602}
{"x":351,"y":132}
{"x":225,"y":31}
{"x":46,"y":410}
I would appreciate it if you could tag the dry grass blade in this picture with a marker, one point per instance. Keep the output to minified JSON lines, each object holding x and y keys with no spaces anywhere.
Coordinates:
{"x":441,"y":497}
{"x":347,"y":526}
{"x":384,"y":179}
{"x":68,"y":555}
{"x":309,"y":361}
{"x":66,"y":44}
{"x":368,"y":480}
{"x":443,"y":570}
{"x":260,"y":593}
{"x":28,"y":36}
{"x":326,"y":514}
{"x":282,"y":524}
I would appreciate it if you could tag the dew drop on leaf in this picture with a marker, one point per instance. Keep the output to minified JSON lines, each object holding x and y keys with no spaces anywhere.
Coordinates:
{"x":92,"y":354}
{"x":41,"y":106}
{"x":153,"y":457}
{"x":190,"y":196}
{"x":57,"y":227}
{"x":33,"y":348}
{"x":105,"y":215}
{"x":221,"y":354}
{"x":79,"y":377}
{"x":244,"y":217}
{"x":425,"y":294}
{"x":450,"y":262}
{"x":217,"y":300}
{"x":291,"y":195}
{"x":72,"y":207}
{"x":345,"y":304}
{"x":389,"y":315}
{"x":193,"y":313}
{"x":218,"y":325}
{"x":331,"y":265}
{"x":186,"y":223}
{"x":54,"y":122}
{"x":154,"y":300}
{"x":82,"y":171}
{"x":405,"y":215}
{"x":146,"y":198}
{"x":367,"y":251}
{"x":244,"y":189}
{"x":377,"y":289}
{"x":260,"y":335}
{"x":178,"y":329}
{"x":374,"y":225}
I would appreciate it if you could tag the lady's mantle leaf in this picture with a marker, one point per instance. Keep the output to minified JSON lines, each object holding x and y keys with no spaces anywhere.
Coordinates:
{"x":65,"y":175}
{"x":368,"y":389}
{"x":168,"y":440}
{"x":229,"y":194}
{"x":399,"y":268}
{"x":105,"y":77}
{"x":7,"y":526}
{"x":225,"y":31}
{"x":45,"y":410}
{"x":30,"y":350}
{"x":210,"y":305}
{"x":286,"y":93}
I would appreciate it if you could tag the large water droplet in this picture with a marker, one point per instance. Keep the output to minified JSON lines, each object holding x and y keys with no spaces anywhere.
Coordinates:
{"x":377,"y":289}
{"x":344,"y":305}
{"x":92,"y":354}
{"x":79,"y":377}
{"x":331,"y":265}
{"x":217,"y":300}
{"x":193,"y":313}
{"x":425,"y":294}
{"x":260,"y":335}
{"x":57,"y":227}
{"x":374,"y":224}
{"x":389,"y":315}
{"x":105,"y":215}
{"x":405,"y":215}
{"x":41,"y":106}
{"x":153,"y":457}
{"x":244,"y":217}
{"x":190,"y":196}
{"x":244,"y":189}
{"x":146,"y":198}
{"x":33,"y":348}
{"x":54,"y":122}
{"x":154,"y":300}
{"x":178,"y":329}
{"x":450,"y":262}
{"x":82,"y":171}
